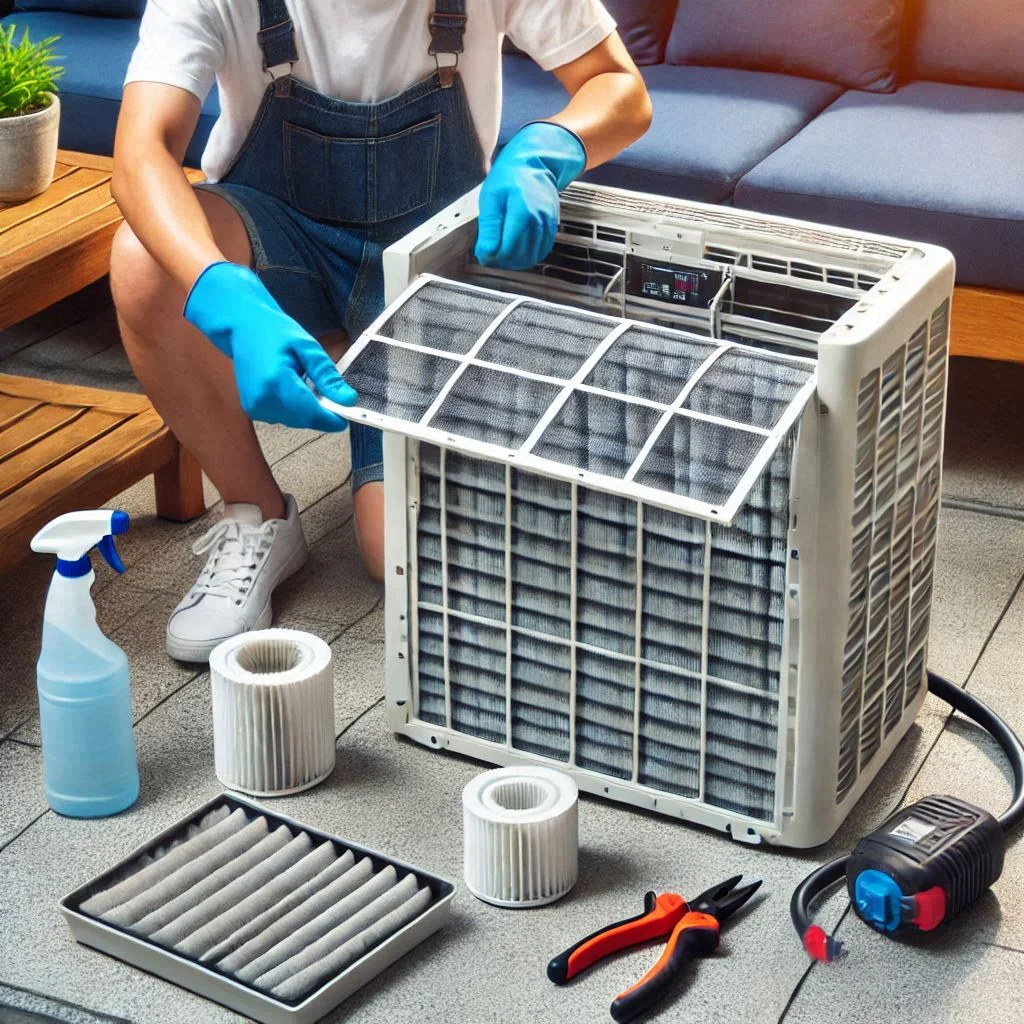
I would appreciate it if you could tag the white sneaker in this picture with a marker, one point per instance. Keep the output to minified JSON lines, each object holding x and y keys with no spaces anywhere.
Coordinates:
{"x":248,"y":559}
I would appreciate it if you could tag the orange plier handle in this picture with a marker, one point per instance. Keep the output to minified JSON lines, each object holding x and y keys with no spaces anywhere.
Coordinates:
{"x":696,"y":934}
{"x":661,"y":914}
{"x":689,"y":934}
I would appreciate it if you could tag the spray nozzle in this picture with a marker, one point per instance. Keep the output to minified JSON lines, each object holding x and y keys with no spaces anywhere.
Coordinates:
{"x":71,"y":537}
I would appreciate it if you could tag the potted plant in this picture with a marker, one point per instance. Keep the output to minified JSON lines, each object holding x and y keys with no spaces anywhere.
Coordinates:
{"x":29,"y":115}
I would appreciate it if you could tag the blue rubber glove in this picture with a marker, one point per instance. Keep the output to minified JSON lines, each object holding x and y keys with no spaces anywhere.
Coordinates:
{"x":519,"y":198}
{"x":270,"y":351}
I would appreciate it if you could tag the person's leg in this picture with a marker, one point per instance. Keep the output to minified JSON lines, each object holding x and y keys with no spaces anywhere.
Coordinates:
{"x":368,"y":509}
{"x":189,"y":381}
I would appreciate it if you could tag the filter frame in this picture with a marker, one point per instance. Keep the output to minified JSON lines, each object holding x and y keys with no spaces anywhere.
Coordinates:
{"x":207,"y":981}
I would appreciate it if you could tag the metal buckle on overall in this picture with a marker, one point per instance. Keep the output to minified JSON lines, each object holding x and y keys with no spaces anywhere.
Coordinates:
{"x":446,"y":32}
{"x":446,"y":72}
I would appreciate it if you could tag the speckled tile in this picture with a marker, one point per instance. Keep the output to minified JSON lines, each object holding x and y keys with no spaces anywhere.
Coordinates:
{"x":941,"y":981}
{"x":59,"y":317}
{"x":984,"y":458}
{"x":58,"y":854}
{"x":358,"y":658}
{"x":333,"y":586}
{"x":968,"y":763}
{"x":980,"y":562}
{"x":21,"y":789}
{"x":277,"y":440}
{"x":67,"y":348}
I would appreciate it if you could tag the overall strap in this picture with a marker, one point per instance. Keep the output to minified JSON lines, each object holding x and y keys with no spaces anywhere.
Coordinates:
{"x":277,"y":34}
{"x":447,"y":26}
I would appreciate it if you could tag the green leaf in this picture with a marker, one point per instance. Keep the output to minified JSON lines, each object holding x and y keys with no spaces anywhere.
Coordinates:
{"x":28,"y":72}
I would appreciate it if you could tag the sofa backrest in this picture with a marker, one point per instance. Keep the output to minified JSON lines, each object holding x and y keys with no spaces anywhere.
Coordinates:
{"x":103,"y":8}
{"x":854,"y":43}
{"x":643,"y":24}
{"x":973,"y":42}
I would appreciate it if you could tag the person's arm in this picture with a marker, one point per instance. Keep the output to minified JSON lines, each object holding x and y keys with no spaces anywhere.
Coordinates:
{"x":608,"y":109}
{"x":226,"y":301}
{"x":153,"y":131}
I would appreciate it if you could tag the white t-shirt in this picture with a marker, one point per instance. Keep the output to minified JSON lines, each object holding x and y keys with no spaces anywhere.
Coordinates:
{"x":357,"y":50}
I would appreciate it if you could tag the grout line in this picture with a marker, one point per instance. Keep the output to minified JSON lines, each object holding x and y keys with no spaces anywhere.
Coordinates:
{"x":362,"y":714}
{"x":910,"y":783}
{"x":983,"y":508}
{"x":1001,"y":945}
{"x":98,"y":1017}
{"x":22,"y":743}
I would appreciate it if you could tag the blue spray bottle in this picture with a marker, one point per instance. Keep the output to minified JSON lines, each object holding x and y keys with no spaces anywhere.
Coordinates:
{"x":85,"y":703}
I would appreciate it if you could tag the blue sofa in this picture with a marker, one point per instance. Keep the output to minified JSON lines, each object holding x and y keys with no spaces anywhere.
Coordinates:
{"x":904,"y":117}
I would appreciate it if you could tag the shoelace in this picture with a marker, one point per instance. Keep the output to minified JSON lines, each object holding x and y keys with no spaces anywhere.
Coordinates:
{"x":237,"y":551}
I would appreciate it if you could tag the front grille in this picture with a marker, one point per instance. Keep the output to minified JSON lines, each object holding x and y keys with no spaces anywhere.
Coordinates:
{"x":595,"y":631}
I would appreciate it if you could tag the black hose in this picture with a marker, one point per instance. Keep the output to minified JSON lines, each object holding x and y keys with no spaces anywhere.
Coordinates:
{"x":816,"y":942}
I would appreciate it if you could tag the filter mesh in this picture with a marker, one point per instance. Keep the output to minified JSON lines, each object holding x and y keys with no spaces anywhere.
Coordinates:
{"x":700,"y":459}
{"x":477,"y":370}
{"x":651,"y":364}
{"x":560,"y":679}
{"x":545,"y":339}
{"x":499,"y":408}
{"x":896,"y":504}
{"x":433,"y":318}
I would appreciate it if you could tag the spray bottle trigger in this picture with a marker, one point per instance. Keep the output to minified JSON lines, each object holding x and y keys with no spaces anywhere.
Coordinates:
{"x":109,"y":552}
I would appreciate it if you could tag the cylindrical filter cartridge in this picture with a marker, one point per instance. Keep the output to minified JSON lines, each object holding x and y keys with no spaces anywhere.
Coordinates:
{"x":521,"y":836}
{"x":273,"y":711}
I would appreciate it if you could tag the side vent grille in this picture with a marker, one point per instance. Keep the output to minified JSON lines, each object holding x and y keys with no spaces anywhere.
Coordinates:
{"x":895,"y":517}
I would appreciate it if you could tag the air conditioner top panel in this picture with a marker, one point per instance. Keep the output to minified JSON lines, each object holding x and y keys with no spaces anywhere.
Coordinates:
{"x":654,"y":414}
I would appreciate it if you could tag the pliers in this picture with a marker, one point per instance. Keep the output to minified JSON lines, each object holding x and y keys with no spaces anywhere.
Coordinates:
{"x":692,"y":927}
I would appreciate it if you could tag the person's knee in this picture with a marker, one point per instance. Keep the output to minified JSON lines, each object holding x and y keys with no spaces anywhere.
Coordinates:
{"x":142,"y":290}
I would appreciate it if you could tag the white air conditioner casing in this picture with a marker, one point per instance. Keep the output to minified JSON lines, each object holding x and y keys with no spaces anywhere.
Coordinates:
{"x":797,"y":607}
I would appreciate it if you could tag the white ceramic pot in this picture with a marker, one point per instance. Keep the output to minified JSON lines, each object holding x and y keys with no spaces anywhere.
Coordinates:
{"x":28,"y":152}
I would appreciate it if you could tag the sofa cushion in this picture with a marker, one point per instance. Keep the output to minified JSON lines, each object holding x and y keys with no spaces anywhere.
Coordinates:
{"x":932,"y":163}
{"x":104,"y":8}
{"x":855,"y":44}
{"x":95,"y":54}
{"x":643,"y":24}
{"x":975,"y":43}
{"x":711,"y":125}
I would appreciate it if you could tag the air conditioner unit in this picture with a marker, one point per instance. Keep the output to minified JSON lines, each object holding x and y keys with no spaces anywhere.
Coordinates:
{"x":662,"y":511}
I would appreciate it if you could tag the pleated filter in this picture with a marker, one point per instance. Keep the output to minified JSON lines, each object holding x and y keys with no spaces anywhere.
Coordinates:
{"x":521,"y":836}
{"x":273,"y":712}
{"x":263,"y":914}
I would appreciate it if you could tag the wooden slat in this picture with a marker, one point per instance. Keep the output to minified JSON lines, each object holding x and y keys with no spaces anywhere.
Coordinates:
{"x":988,"y":324}
{"x":72,"y":394}
{"x":87,"y":479}
{"x":72,"y":184}
{"x":12,"y":408}
{"x":31,"y":429}
{"x":48,"y":274}
{"x":54,"y":227}
{"x":91,"y":160}
{"x":54,"y":449}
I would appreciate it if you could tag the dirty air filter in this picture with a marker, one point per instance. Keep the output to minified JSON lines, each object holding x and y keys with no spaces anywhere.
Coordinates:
{"x":251,"y":909}
{"x":675,"y":533}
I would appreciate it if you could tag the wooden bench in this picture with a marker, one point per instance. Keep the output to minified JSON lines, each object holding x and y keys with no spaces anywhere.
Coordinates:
{"x":66,"y":448}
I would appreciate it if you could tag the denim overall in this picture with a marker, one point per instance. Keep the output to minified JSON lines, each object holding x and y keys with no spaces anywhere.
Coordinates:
{"x":323,"y":186}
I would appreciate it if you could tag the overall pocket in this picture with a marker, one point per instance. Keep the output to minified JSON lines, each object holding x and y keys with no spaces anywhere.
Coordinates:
{"x":361,"y":181}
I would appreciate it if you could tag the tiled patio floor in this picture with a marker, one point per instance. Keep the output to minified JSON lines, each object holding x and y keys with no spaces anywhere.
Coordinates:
{"x":488,"y":965}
